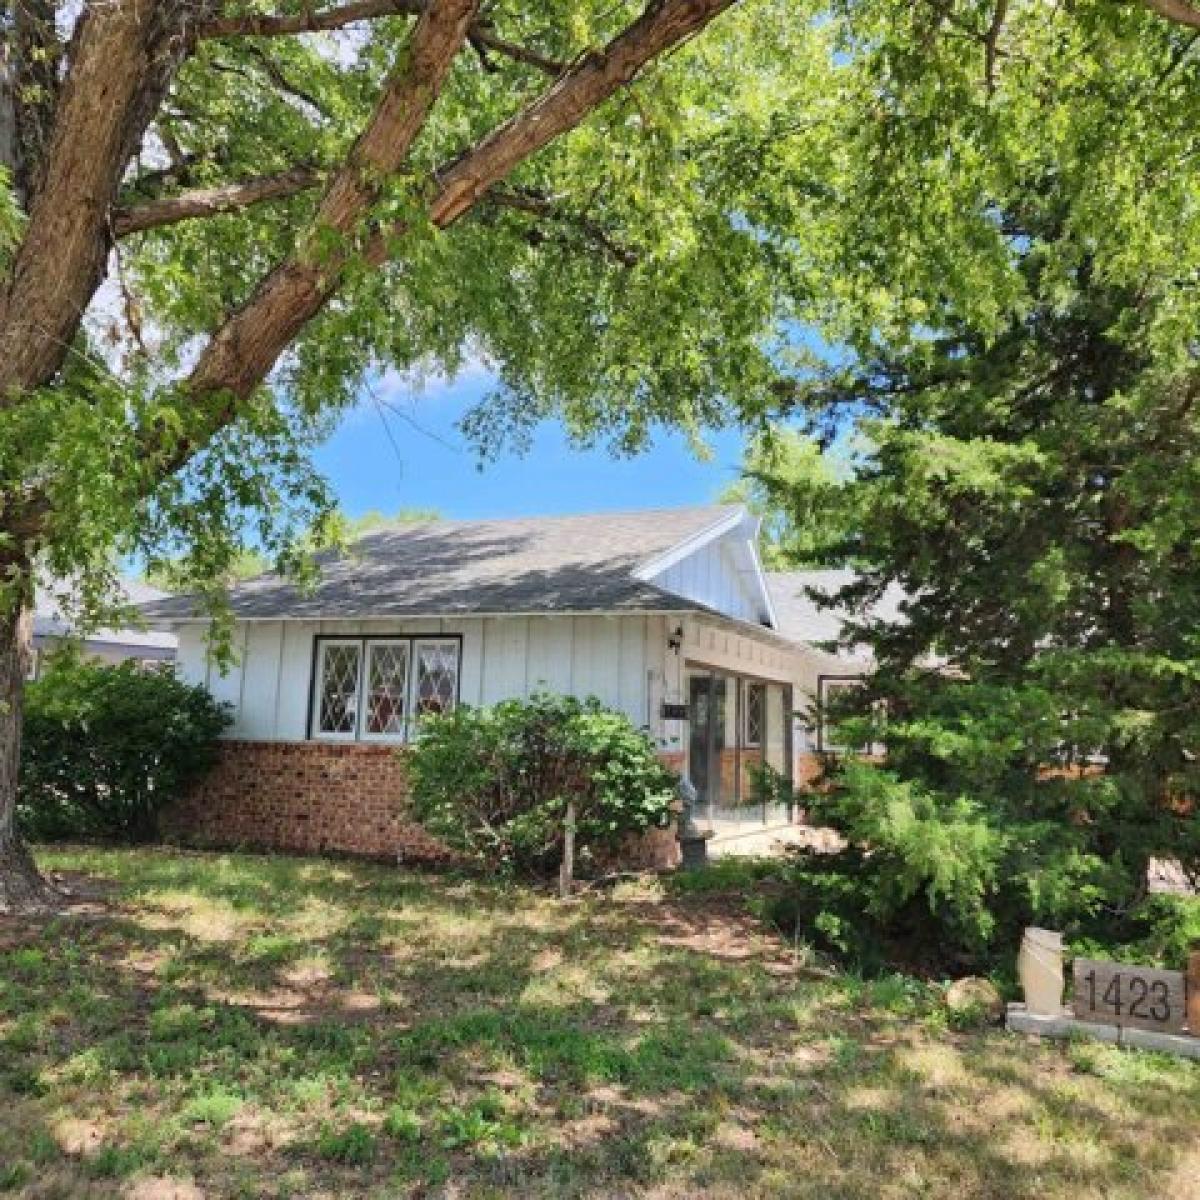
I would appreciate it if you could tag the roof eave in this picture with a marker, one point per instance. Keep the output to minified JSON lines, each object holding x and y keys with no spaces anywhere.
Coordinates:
{"x":448,"y":615}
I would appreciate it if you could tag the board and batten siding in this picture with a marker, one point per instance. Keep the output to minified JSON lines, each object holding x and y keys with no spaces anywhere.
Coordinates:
{"x":710,"y":576}
{"x":618,"y":659}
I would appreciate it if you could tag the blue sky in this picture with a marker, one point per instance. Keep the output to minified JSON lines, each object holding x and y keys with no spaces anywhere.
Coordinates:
{"x":424,"y":462}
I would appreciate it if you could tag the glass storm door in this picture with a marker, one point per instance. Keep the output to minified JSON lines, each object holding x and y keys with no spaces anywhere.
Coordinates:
{"x":706,"y":738}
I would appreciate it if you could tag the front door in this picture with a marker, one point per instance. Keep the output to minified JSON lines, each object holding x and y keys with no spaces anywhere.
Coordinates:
{"x":706,"y":738}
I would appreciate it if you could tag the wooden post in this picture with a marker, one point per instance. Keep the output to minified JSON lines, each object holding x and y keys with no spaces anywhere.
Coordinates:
{"x":566,"y":874}
{"x":1193,"y":991}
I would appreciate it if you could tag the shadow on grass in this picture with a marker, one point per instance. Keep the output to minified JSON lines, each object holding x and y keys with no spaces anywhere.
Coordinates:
{"x":281,"y":1027}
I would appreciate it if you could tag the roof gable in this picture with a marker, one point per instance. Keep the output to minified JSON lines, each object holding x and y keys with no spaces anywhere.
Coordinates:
{"x":718,"y":567}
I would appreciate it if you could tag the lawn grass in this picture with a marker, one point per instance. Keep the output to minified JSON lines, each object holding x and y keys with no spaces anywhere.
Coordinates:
{"x":227,"y":1025}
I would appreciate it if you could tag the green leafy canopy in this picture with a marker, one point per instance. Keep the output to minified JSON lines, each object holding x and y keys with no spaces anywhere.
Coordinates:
{"x":1014,"y":236}
{"x":640,"y":298}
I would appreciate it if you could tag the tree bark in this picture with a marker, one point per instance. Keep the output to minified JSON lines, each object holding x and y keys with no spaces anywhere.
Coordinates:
{"x":124,"y":57}
{"x":206,"y":202}
{"x":1179,"y":11}
{"x":22,"y":888}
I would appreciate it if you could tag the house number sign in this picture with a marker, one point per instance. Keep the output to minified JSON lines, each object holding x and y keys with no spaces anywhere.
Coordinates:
{"x":674,"y":712}
{"x":1119,"y":994}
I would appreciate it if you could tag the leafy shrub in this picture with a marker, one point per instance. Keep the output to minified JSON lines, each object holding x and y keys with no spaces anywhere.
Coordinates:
{"x":771,"y":788}
{"x":106,"y":747}
{"x":825,"y":900}
{"x":1164,"y":929}
{"x":353,"y":1146}
{"x":982,"y":820}
{"x":494,"y":782}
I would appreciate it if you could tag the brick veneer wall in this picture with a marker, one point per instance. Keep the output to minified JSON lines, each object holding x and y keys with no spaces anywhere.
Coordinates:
{"x":340,"y":797}
{"x":311,"y":797}
{"x":809,"y":770}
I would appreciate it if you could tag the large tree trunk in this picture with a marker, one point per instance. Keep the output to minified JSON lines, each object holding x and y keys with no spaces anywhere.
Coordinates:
{"x":22,"y":889}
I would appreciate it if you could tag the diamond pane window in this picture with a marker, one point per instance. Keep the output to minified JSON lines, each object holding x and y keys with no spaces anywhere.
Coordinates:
{"x":387,"y":689}
{"x":372,"y":687}
{"x":337,"y":713}
{"x":437,"y":678}
{"x":756,"y":714}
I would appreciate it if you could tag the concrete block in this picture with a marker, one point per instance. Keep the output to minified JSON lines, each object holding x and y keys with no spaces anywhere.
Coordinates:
{"x":1018,"y":1020}
{"x":1065,"y":1026}
{"x":1164,"y":1043}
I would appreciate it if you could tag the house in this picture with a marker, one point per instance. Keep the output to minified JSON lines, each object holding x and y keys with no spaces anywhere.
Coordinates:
{"x":665,"y":615}
{"x":51,"y":628}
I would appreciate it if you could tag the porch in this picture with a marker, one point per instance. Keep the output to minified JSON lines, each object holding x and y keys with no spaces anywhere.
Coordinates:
{"x":772,"y":840}
{"x":739,"y":751}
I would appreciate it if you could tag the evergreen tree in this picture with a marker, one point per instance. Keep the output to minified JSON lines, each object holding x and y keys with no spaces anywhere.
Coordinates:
{"x":1035,"y":494}
{"x":1002,"y":238}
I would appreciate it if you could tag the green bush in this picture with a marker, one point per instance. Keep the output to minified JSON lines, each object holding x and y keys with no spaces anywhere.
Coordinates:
{"x":494,"y":783}
{"x":771,"y":788}
{"x":979,"y":823}
{"x":105,"y":747}
{"x":838,"y":904}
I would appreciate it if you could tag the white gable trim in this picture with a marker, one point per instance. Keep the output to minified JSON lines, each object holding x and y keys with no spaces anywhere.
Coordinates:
{"x":756,"y":573}
{"x":677,"y":553}
{"x":749,"y":569}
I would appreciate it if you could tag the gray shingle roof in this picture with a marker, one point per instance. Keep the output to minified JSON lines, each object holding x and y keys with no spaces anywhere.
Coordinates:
{"x":803,"y":621}
{"x":524,"y":565}
{"x":54,"y":596}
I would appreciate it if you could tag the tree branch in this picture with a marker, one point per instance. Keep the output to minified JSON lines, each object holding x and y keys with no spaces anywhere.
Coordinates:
{"x":125,"y":51}
{"x":338,"y":17}
{"x":208,"y":202}
{"x":289,"y":87}
{"x":239,"y":356}
{"x":1181,"y":12}
{"x":233,"y":197}
{"x":484,"y":37}
{"x":550,"y":208}
{"x":310,"y":21}
{"x":591,"y":81}
{"x":991,"y":42}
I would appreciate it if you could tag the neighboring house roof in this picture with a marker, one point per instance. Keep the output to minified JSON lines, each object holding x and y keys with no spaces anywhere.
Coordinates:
{"x":803,"y":620}
{"x":586,"y":563}
{"x":49,"y":620}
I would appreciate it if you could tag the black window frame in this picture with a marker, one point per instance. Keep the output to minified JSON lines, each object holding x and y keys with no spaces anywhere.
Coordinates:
{"x":363,"y":639}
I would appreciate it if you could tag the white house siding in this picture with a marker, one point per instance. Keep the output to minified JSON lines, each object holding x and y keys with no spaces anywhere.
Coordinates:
{"x":268,"y":687}
{"x":623,"y":660}
{"x":775,"y":746}
{"x":710,"y":576}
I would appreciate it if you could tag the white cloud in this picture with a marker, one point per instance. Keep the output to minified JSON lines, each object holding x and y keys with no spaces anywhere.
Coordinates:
{"x":432,"y":384}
